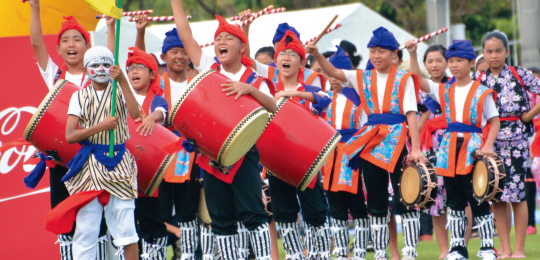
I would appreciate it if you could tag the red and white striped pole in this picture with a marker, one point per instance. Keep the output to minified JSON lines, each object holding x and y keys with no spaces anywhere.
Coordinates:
{"x":158,"y":18}
{"x":425,"y":37}
{"x":263,"y":11}
{"x":128,"y":13}
{"x":327,"y":32}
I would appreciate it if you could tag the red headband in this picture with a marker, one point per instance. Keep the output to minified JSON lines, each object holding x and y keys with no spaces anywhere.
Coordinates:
{"x":295,"y":45}
{"x":139,"y":56}
{"x":235,"y":30}
{"x":71,"y":23}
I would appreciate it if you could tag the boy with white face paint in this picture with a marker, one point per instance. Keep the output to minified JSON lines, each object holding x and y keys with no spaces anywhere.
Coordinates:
{"x":95,"y":181}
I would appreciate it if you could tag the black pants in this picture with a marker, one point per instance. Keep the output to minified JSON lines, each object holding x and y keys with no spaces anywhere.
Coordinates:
{"x":376,"y":180}
{"x":240,"y":200}
{"x":150,"y":223}
{"x":184,"y":196}
{"x":530,"y":195}
{"x":459,"y":191}
{"x":285,"y":205}
{"x":341,"y":202}
{"x":59,"y":193}
{"x":426,"y":224}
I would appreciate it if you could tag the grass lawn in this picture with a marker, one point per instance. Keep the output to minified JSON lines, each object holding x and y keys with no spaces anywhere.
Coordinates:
{"x":430,"y":250}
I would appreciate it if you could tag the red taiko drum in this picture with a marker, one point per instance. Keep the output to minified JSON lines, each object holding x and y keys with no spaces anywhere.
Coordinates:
{"x":223,"y":128}
{"x":47,"y":132}
{"x":296,"y":143}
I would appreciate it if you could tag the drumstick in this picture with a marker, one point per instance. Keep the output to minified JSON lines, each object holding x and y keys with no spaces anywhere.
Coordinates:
{"x":129,"y":13}
{"x":263,"y":11}
{"x":425,"y":37}
{"x":159,"y":18}
{"x":327,"y":32}
{"x":325,"y":29}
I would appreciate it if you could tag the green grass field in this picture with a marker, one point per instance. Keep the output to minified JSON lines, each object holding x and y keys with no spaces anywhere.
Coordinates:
{"x":430,"y":250}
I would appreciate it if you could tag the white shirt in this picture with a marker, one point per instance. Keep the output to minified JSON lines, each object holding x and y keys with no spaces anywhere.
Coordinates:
{"x":460,"y":95}
{"x":50,"y":73}
{"x":409,"y":99}
{"x":341,"y":100}
{"x":262,"y":69}
{"x":177,"y":90}
{"x":207,"y":62}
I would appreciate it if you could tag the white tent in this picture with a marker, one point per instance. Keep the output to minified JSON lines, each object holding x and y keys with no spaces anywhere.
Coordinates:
{"x":358,"y":22}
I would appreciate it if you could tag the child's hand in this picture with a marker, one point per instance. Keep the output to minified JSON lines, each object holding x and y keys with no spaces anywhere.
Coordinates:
{"x":312,"y":49}
{"x":286,"y":94}
{"x":111,"y":21}
{"x":141,"y":21}
{"x":239,"y":88}
{"x":411,"y":46}
{"x":110,"y":123}
{"x":246,"y":14}
{"x":416,"y":156}
{"x":147,"y":126}
{"x":33,"y":3}
{"x":487,"y":150}
{"x":116,"y":73}
{"x":526,"y":117}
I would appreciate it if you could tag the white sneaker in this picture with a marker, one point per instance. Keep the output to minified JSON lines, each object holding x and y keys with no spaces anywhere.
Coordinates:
{"x":455,"y":256}
{"x":487,"y":255}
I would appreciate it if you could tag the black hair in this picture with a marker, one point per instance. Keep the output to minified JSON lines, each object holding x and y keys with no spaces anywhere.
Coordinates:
{"x":269,"y":50}
{"x":496,"y":34}
{"x":350,"y":49}
{"x":400,"y":54}
{"x":433,"y":48}
{"x":534,"y":70}
{"x":310,"y":59}
{"x":191,"y":65}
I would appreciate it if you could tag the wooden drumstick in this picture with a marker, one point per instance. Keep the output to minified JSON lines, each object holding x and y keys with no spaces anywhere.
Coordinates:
{"x":325,"y":29}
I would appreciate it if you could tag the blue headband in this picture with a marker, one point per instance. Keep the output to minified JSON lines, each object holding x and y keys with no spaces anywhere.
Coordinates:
{"x":462,"y":49}
{"x":384,"y":39}
{"x":171,"y":40}
{"x":340,"y":60}
{"x":281,"y":30}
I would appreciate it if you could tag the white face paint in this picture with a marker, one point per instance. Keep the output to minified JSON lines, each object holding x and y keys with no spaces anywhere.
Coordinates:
{"x":99,"y":69}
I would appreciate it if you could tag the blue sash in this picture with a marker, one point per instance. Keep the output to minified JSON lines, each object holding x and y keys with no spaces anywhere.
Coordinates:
{"x":100,"y":152}
{"x":462,"y":128}
{"x":385,"y":119}
{"x":346,"y":134}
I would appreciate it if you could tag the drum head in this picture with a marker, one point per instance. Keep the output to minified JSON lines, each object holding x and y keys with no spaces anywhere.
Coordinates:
{"x":410,"y":185}
{"x":243,"y":137}
{"x":480,"y":179}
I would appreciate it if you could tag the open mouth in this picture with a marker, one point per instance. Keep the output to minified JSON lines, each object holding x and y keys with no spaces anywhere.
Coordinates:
{"x":286,"y":65}
{"x":223,"y":51}
{"x":71,"y":53}
{"x":135,"y":79}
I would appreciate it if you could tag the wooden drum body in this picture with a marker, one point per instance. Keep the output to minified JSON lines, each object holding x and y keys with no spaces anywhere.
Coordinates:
{"x":418,"y":185}
{"x":488,"y":178}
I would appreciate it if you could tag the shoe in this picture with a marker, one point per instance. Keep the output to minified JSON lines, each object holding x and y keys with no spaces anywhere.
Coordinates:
{"x":427,"y":238}
{"x":342,"y":258}
{"x":408,"y":258}
{"x":531,"y":230}
{"x":455,"y":256}
{"x":487,"y":254}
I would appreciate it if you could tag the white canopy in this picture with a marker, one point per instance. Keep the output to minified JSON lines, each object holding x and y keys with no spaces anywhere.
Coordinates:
{"x":358,"y":22}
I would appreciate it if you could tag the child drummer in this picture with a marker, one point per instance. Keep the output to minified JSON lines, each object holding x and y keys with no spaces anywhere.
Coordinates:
{"x":95,"y":181}
{"x":387,"y":110}
{"x":467,"y":106}
{"x":239,"y":199}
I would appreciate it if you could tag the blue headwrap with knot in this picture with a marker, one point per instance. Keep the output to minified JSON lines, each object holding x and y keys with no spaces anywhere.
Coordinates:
{"x":340,"y":59}
{"x":281,"y":30}
{"x":171,"y":40}
{"x":384,"y":39}
{"x":462,"y":49}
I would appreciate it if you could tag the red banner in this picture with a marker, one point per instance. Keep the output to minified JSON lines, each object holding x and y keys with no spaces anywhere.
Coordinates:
{"x":22,"y":210}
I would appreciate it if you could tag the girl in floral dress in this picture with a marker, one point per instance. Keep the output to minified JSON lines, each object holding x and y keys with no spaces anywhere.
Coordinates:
{"x":516,"y":113}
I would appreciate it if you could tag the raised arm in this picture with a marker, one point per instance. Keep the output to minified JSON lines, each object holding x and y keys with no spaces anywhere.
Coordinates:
{"x":184,"y":31}
{"x":141,"y":24}
{"x":244,"y":15}
{"x":36,"y":35}
{"x":326,"y":66}
{"x":415,"y":66}
{"x":111,"y":33}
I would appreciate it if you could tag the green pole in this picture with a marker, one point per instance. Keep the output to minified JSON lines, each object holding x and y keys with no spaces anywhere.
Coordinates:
{"x":113,"y":108}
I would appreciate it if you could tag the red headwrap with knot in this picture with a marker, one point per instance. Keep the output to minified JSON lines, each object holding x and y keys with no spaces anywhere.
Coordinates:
{"x":71,"y":23}
{"x":235,"y":30}
{"x":136,"y":55}
{"x":291,"y":41}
